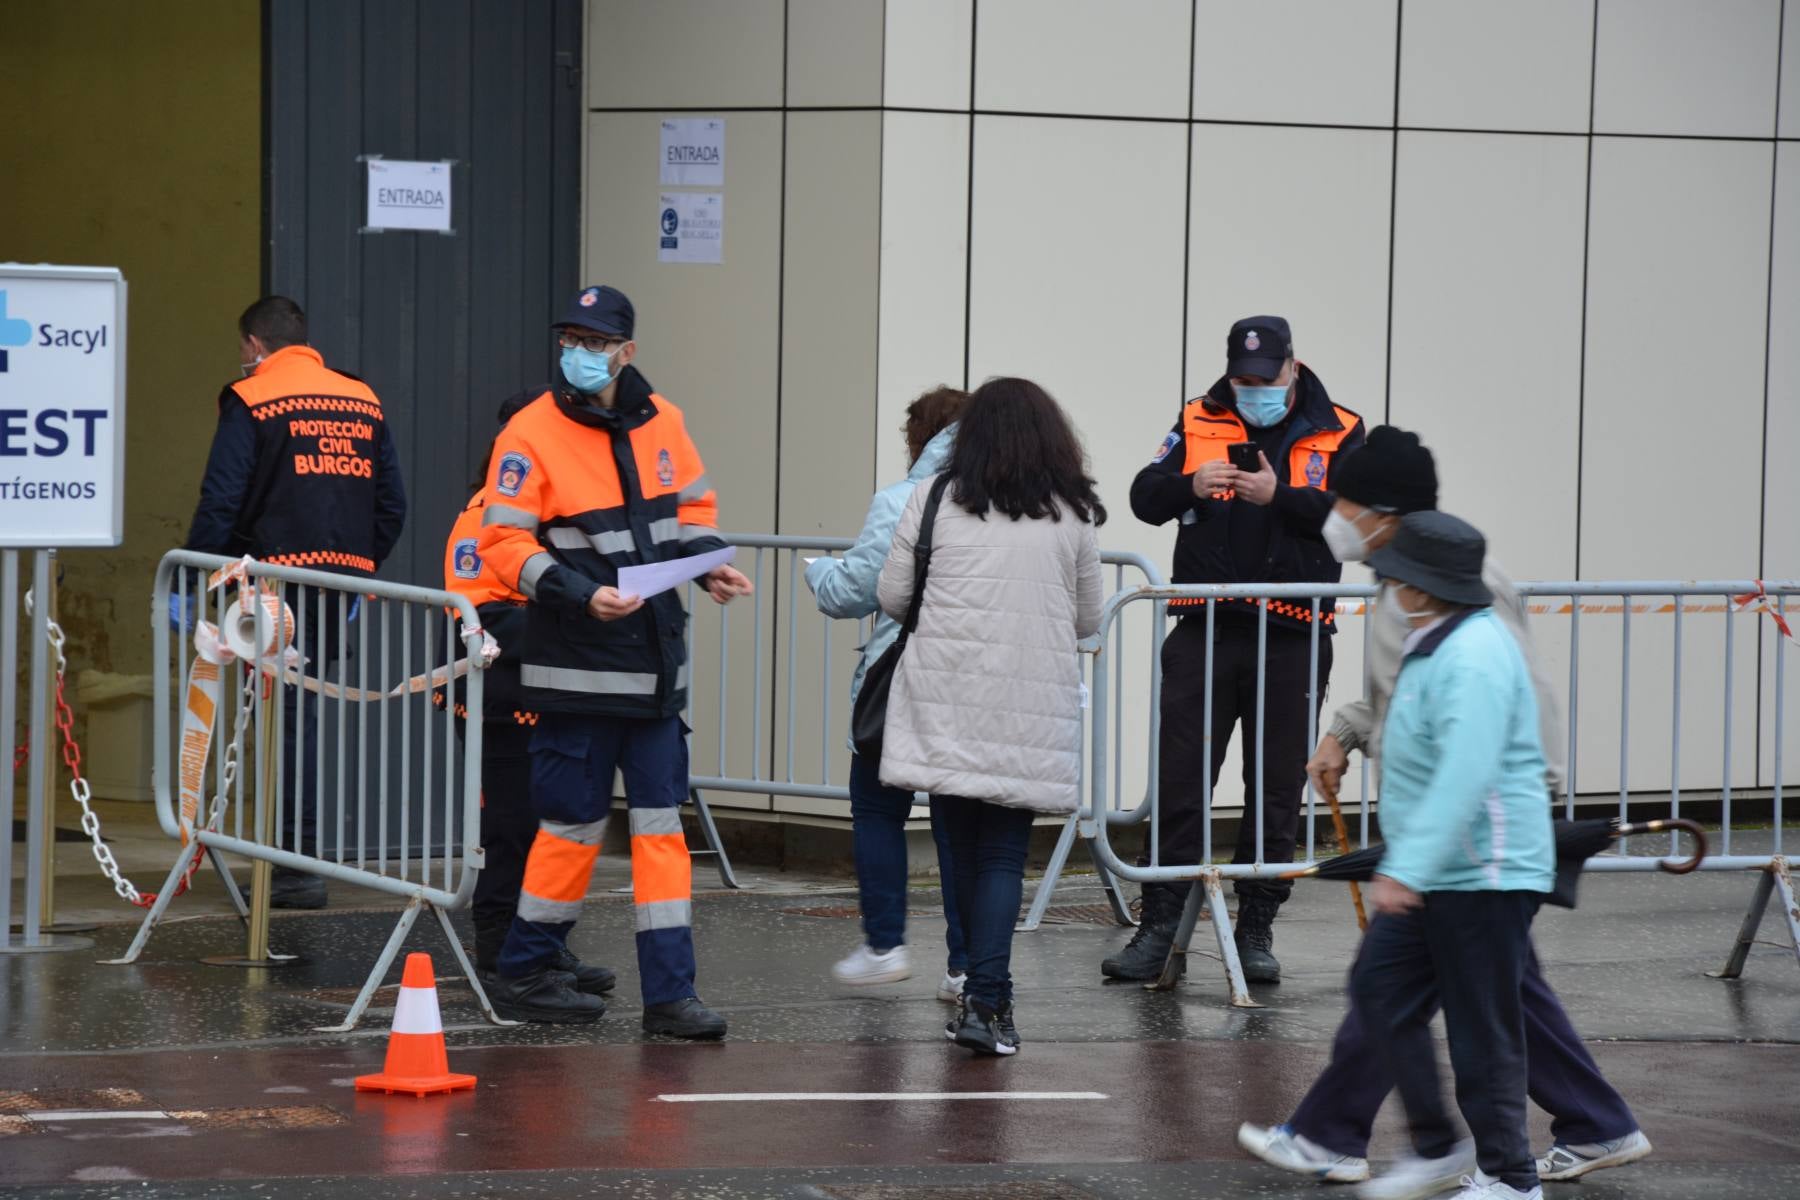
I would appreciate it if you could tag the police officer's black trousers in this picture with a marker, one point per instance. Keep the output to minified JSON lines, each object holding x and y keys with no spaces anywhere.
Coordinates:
{"x":508,"y":825}
{"x":1287,"y":693}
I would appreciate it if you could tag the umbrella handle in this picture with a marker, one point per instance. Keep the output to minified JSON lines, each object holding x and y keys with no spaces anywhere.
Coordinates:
{"x":1682,"y":823}
{"x":1343,"y":837}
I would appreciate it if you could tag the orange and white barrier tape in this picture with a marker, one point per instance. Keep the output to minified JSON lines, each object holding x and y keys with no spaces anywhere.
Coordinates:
{"x":254,"y":625}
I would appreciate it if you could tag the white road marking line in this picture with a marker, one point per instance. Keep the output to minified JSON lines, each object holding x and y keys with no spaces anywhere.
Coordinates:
{"x":98,"y":1115}
{"x":724,"y":1097}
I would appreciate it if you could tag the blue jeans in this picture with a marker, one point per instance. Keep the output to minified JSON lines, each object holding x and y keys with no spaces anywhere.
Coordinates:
{"x":878,"y":820}
{"x":987,"y":852}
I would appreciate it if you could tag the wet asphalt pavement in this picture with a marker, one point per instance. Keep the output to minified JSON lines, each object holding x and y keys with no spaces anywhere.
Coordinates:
{"x":251,"y":1101}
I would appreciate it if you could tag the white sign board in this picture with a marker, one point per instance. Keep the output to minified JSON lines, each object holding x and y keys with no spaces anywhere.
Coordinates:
{"x":62,"y":406}
{"x":693,"y":152}
{"x":409,"y":195}
{"x":691,"y":228}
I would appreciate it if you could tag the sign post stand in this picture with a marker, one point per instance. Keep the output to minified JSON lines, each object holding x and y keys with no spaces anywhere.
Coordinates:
{"x":62,"y":422}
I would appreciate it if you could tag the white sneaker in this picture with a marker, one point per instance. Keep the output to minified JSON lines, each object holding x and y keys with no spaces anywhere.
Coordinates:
{"x":1572,"y":1162}
{"x":1480,"y":1186}
{"x":1281,"y":1147}
{"x":863,"y":967}
{"x":1421,"y":1178}
{"x":951,"y":989}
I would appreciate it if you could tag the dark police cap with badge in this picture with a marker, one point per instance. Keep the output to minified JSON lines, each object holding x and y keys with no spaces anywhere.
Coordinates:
{"x":603,"y":310}
{"x":1258,"y":346}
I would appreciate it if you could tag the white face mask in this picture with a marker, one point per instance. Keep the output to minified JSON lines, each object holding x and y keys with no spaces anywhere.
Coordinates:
{"x":1346,"y":542}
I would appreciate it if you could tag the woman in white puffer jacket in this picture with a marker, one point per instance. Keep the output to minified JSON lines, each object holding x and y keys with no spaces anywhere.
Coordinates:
{"x":985,"y":707}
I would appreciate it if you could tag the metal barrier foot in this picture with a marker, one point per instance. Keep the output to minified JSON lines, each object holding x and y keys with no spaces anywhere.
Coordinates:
{"x":388,"y":953}
{"x":231,"y":887}
{"x":157,"y":909}
{"x":1775,"y":878}
{"x":1175,"y":966}
{"x":1221,"y":923}
{"x":1059,"y":857}
{"x":468,"y":969}
{"x":716,"y":848}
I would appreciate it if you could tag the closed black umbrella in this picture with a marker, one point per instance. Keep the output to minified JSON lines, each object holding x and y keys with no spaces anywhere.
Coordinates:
{"x":1576,"y":842}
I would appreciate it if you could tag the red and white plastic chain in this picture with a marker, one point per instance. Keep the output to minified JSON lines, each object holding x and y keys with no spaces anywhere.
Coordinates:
{"x":78,"y":784}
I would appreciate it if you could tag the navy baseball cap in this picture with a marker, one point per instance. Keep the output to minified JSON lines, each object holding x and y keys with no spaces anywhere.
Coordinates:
{"x":603,"y":310}
{"x":1258,"y":346}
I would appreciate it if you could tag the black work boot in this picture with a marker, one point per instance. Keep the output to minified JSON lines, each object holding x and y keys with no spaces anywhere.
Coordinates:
{"x":684,"y":1019}
{"x":595,"y":981}
{"x":1256,"y":938}
{"x":1144,"y":956}
{"x":547,"y":997}
{"x":295,"y":889}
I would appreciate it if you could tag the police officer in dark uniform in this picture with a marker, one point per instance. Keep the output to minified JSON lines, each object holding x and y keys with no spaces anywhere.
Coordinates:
{"x":302,"y":472}
{"x":1241,"y":525}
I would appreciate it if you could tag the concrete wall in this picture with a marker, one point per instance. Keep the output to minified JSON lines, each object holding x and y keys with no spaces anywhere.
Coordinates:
{"x":1550,"y":235}
{"x":132,"y":137}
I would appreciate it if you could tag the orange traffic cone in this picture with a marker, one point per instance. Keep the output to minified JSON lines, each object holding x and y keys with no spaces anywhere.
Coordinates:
{"x":417,"y":1061}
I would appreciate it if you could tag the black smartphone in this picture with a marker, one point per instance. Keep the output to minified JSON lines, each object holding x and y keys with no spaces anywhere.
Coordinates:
{"x":1244,"y":457}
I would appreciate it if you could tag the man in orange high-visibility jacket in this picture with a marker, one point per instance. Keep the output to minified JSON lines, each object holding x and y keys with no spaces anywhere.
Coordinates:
{"x":302,"y":473}
{"x":596,"y":474}
{"x":509,"y":823}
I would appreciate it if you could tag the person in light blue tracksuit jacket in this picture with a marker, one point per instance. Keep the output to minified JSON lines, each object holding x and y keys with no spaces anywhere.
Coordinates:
{"x":845,"y":588}
{"x":1469,"y":857}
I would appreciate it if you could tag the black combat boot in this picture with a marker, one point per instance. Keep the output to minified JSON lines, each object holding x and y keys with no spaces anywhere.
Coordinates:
{"x":595,"y":981}
{"x":289,"y":888}
{"x":1144,"y":956}
{"x":547,"y":997}
{"x":684,"y":1019}
{"x":1256,"y":938}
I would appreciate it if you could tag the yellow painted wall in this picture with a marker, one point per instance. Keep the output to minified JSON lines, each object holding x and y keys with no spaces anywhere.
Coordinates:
{"x":132,"y":137}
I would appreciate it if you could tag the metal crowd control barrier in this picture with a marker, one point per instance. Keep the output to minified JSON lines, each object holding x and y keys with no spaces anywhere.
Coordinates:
{"x":778,"y":615}
{"x":1624,"y":599}
{"x":352,"y":736}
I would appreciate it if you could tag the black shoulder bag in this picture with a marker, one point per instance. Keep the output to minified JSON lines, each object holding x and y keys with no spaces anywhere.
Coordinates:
{"x":868,"y":719}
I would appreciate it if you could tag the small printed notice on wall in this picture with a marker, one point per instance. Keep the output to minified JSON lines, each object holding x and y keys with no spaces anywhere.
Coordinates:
{"x":693,"y":152}
{"x":691,"y":228}
{"x":409,"y":195}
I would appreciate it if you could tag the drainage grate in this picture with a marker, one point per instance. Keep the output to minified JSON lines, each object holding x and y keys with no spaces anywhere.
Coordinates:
{"x":305,"y":1116}
{"x":1046,"y":1189}
{"x":1079,"y":914}
{"x":70,"y":1100}
{"x":850,"y":910}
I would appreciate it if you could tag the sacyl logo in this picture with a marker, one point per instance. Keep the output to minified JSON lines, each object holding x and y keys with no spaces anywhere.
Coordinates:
{"x":13,"y":331}
{"x":16,"y":331}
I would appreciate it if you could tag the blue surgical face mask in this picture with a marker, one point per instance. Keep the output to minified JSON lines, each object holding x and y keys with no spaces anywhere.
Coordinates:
{"x":588,"y":371}
{"x":1261,"y":406}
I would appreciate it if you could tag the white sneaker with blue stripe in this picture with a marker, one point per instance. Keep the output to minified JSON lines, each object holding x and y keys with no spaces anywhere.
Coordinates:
{"x":1572,"y":1162}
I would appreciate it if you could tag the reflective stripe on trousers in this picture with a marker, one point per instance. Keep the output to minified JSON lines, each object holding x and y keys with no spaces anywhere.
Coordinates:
{"x":573,"y":763}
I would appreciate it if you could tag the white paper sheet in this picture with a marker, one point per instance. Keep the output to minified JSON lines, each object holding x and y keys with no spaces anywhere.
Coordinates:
{"x":651,"y":578}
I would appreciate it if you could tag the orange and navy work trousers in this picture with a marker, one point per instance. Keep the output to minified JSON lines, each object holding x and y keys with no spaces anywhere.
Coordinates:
{"x":573,"y":759}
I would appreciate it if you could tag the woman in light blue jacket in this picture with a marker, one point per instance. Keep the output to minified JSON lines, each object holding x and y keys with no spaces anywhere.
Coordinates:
{"x":845,"y":588}
{"x":1469,"y":858}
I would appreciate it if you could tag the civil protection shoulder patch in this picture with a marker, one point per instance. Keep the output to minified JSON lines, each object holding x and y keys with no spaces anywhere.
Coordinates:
{"x":514,"y":467}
